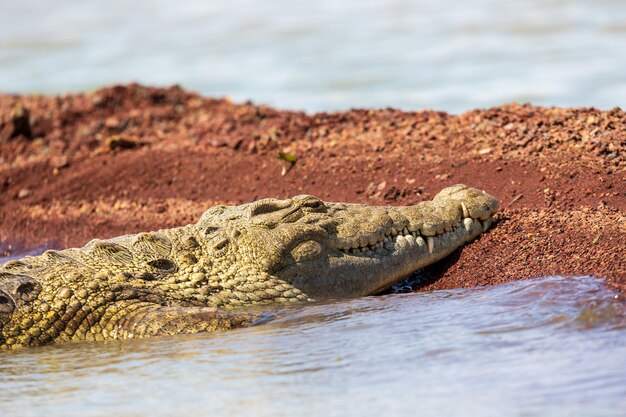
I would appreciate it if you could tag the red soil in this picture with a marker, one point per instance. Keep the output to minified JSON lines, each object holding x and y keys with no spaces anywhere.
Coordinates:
{"x":130,"y":158}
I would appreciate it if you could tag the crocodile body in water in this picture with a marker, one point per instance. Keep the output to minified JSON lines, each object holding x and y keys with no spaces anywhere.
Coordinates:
{"x":201,"y":277}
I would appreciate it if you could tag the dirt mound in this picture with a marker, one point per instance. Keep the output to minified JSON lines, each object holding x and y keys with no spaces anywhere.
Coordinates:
{"x":131,"y":158}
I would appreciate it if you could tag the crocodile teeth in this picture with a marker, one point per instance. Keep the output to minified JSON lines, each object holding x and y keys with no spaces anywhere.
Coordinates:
{"x":431,"y":243}
{"x":465,"y":211}
{"x":392,"y":238}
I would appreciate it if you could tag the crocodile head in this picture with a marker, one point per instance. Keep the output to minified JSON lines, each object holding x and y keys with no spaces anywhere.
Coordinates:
{"x":199,"y":277}
{"x":334,"y":250}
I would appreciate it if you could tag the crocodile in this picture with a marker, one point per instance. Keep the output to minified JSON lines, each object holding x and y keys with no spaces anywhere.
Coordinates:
{"x":210,"y":275}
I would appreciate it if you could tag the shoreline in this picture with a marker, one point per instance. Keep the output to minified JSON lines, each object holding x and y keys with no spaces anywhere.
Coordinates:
{"x":126,"y":159}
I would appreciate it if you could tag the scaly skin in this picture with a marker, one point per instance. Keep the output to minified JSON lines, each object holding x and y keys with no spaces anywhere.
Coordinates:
{"x":200,"y":277}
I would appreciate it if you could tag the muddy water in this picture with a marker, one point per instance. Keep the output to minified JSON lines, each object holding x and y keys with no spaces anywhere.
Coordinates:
{"x":323,"y":55}
{"x":549,"y":347}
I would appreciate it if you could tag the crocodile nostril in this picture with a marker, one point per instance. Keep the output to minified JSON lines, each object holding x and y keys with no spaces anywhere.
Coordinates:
{"x":6,"y":304}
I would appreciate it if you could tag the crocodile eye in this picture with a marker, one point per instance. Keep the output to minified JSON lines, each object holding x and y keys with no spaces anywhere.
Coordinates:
{"x":313,"y":203}
{"x":309,"y":250}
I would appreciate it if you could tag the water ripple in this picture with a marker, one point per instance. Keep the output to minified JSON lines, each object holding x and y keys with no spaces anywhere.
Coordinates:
{"x":549,"y":346}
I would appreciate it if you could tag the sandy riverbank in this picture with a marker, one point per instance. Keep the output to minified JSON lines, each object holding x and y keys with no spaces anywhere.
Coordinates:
{"x":130,"y":158}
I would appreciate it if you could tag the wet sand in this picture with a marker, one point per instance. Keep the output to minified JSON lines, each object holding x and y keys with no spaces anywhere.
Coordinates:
{"x":130,"y":158}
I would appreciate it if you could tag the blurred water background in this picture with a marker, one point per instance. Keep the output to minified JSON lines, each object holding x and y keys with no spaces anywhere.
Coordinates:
{"x":326,"y":54}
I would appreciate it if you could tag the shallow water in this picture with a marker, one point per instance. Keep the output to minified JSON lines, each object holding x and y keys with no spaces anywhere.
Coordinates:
{"x":324,"y":55}
{"x":550,"y":347}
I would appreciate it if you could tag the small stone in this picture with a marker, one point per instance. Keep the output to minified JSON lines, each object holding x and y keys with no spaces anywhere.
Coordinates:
{"x":112,"y":122}
{"x":59,"y":162}
{"x":121,"y":142}
{"x":24,"y":193}
{"x":20,"y":119}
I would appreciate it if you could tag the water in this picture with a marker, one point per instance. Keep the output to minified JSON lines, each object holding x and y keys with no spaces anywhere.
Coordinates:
{"x":550,"y":347}
{"x":450,"y":55}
